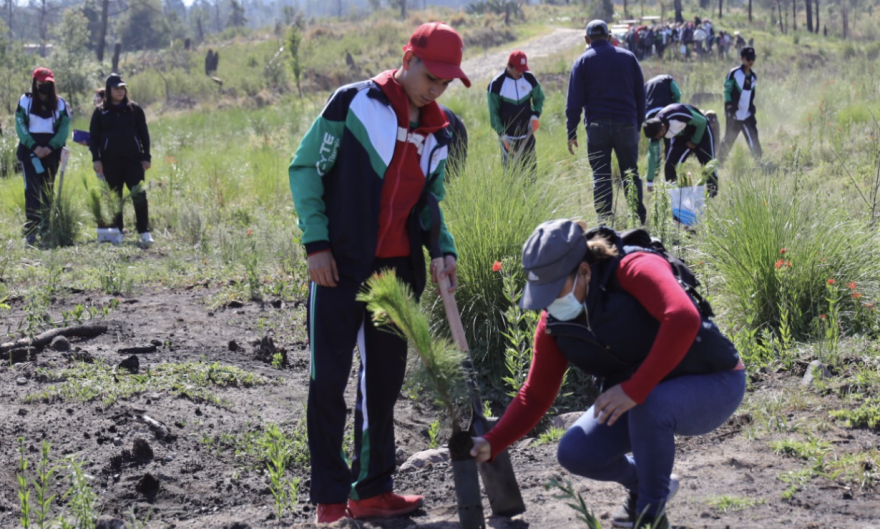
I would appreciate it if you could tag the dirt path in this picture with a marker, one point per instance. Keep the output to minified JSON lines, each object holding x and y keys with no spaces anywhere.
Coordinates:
{"x":488,"y":65}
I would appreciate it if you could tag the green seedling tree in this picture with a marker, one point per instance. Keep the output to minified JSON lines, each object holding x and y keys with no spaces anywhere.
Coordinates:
{"x":104,"y":204}
{"x":394,"y":307}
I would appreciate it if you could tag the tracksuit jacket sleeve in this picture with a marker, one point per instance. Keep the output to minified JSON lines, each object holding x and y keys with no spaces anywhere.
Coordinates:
{"x":729,"y":87}
{"x":641,"y":102}
{"x":95,"y":135}
{"x":574,"y":103}
{"x":495,"y":112}
{"x":315,"y":156}
{"x":700,"y":123}
{"x":537,"y":394}
{"x":21,"y":128}
{"x":143,"y":133}
{"x":63,"y":130}
{"x":653,"y":159}
{"x":675,"y":92}
{"x":537,"y":100}
{"x":649,"y":279}
{"x":438,"y":189}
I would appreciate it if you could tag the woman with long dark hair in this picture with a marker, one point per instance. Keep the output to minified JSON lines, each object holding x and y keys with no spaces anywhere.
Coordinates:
{"x":42,"y":122}
{"x":120,"y":145}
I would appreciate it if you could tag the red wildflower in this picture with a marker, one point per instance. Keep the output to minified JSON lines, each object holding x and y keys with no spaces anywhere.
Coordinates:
{"x":496,"y":266}
{"x":782,"y":251}
{"x":831,"y":281}
{"x":821,"y":316}
{"x":856,"y":295}
{"x":170,"y":160}
{"x":852,"y":286}
{"x":779,"y":264}
{"x":788,"y":264}
{"x":249,"y":233}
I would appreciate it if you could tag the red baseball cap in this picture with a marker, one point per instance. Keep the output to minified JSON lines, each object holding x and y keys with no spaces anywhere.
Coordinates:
{"x":518,"y":61}
{"x":44,"y":75}
{"x":440,"y":48}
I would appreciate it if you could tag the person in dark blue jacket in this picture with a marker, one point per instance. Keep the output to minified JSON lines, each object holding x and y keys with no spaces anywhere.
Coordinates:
{"x":607,"y":86}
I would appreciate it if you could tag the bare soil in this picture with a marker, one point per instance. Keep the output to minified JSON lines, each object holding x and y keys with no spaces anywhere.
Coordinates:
{"x":201,"y":487}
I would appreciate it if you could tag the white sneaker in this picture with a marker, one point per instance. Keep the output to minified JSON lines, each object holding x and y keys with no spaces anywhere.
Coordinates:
{"x":146,"y":239}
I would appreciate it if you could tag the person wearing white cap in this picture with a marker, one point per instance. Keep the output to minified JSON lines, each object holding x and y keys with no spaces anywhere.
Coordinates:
{"x":618,"y":312}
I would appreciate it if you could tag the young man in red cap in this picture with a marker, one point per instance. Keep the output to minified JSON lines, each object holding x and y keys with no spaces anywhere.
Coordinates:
{"x":515,"y":104}
{"x":360,"y":178}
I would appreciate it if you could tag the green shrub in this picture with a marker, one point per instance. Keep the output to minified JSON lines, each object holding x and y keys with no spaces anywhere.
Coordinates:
{"x":775,"y":248}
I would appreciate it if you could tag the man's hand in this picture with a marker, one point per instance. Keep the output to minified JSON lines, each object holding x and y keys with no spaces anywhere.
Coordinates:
{"x":691,"y":145}
{"x":322,"y":269}
{"x":611,"y":405}
{"x":98,"y":167}
{"x":535,"y":123}
{"x":650,"y":186}
{"x":449,"y":271}
{"x":572,"y":145}
{"x":481,"y":451}
{"x":506,"y":143}
{"x":42,"y":152}
{"x":146,"y":165}
{"x":728,"y":108}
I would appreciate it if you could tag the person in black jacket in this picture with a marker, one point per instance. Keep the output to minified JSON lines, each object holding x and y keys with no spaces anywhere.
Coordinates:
{"x":458,"y":149}
{"x":120,"y":145}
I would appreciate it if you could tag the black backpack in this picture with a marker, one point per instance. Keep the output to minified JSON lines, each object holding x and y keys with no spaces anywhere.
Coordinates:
{"x":639,"y":240}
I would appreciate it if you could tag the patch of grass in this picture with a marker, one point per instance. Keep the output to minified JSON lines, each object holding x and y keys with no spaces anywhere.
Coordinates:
{"x":552,"y":435}
{"x":727,"y":503}
{"x":867,"y":415}
{"x":810,"y":449}
{"x":99,"y":381}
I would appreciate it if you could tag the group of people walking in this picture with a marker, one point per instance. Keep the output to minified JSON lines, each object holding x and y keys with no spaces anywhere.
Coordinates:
{"x":683,"y":38}
{"x":119,"y":142}
{"x":360,"y":180}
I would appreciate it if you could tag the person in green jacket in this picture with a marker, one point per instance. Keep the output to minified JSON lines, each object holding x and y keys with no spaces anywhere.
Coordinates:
{"x":515,"y":104}
{"x":42,"y":122}
{"x":739,"y":105}
{"x":690,"y":133}
{"x":660,"y":91}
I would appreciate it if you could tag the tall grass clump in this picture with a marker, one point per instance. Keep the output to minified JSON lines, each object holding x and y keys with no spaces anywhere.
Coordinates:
{"x":61,"y":221}
{"x":775,"y":248}
{"x":491,"y":212}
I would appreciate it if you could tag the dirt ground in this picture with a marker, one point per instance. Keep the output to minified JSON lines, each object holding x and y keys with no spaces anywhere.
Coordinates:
{"x":199,"y":487}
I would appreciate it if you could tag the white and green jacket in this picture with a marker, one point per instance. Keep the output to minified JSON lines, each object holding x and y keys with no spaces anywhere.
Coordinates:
{"x":513,"y":102}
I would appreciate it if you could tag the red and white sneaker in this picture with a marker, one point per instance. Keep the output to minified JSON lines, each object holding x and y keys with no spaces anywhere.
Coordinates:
{"x":331,"y":512}
{"x":388,"y":505}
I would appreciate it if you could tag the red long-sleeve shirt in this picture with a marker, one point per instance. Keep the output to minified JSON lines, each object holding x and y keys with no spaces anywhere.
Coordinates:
{"x":648,"y":278}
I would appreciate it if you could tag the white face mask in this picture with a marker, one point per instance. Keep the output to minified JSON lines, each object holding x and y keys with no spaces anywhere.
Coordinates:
{"x":567,"y":307}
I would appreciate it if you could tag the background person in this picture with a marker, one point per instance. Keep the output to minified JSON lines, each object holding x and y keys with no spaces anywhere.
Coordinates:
{"x":666,"y":369}
{"x":689,"y":132}
{"x":359,"y":193}
{"x":515,"y":104}
{"x":42,"y":123}
{"x":739,"y":105}
{"x":458,"y":149}
{"x":607,"y":86}
{"x":660,"y":91}
{"x":120,"y":145}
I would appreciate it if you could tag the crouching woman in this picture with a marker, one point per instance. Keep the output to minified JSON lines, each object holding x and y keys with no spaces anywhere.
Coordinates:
{"x":617,"y":312}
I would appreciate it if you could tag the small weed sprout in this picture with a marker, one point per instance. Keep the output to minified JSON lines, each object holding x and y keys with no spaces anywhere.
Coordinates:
{"x":552,"y":435}
{"x":24,"y":494}
{"x":434,"y":434}
{"x":278,"y":360}
{"x":520,"y":328}
{"x":81,"y":499}
{"x":567,"y":492}
{"x":285,"y":492}
{"x":45,"y":473}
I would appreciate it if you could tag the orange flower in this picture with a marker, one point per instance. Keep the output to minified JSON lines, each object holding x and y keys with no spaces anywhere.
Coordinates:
{"x":782,"y":251}
{"x":779,"y":264}
{"x":170,"y":160}
{"x":831,"y":281}
{"x":249,"y":233}
{"x":788,"y":264}
{"x":852,"y":286}
{"x":496,"y":266}
{"x":856,"y":295}
{"x":821,"y":316}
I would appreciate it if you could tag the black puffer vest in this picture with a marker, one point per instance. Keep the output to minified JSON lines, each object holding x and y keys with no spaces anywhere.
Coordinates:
{"x":615,"y":333}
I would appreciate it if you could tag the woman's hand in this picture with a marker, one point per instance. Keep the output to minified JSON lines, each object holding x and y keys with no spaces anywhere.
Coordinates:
{"x":449,"y":271}
{"x":481,"y":451}
{"x":98,"y":167}
{"x":146,"y":165}
{"x":611,"y":405}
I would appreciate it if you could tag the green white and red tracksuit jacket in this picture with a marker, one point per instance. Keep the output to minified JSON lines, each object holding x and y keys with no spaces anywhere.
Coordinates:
{"x":360,"y":175}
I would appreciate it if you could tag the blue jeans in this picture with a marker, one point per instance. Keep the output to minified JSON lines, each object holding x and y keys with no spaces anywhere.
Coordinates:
{"x":623,"y":138}
{"x":688,"y":405}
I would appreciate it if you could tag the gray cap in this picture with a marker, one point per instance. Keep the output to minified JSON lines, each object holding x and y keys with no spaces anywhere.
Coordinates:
{"x":551,"y":254}
{"x":596,"y":28}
